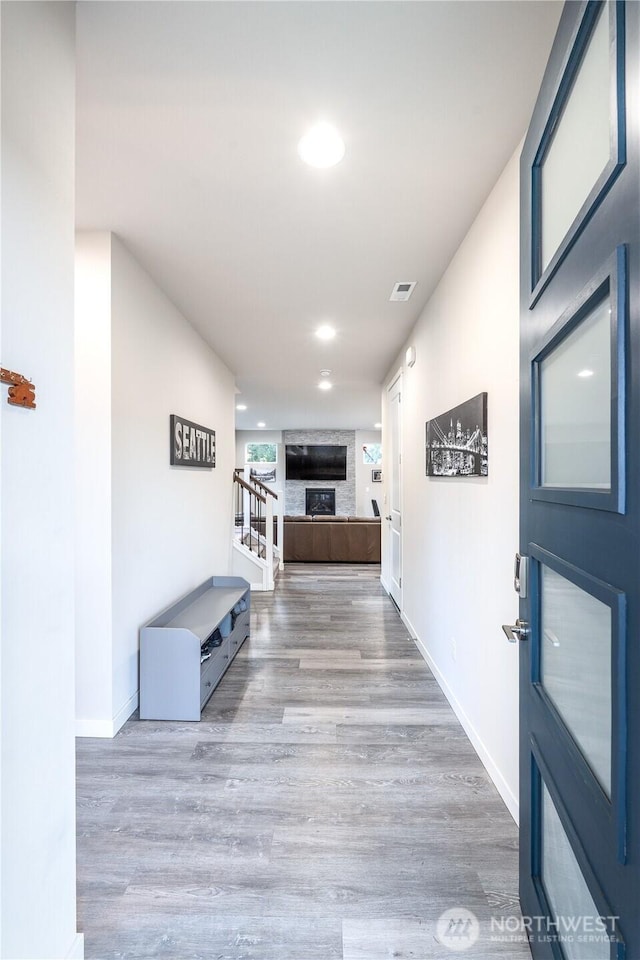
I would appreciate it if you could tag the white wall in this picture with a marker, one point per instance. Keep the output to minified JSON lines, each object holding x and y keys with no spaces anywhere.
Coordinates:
{"x":460,"y":536}
{"x":37,"y":915}
{"x":366,"y":490}
{"x":169,"y":527}
{"x":94,"y":620}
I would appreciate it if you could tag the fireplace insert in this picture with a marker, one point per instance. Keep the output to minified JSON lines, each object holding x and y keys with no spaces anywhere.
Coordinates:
{"x":320,"y":502}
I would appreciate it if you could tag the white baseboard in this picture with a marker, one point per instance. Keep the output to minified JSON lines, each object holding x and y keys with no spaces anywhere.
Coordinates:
{"x":511,"y":801}
{"x":125,"y":711}
{"x":94,"y":728}
{"x":105,"y":728}
{"x":77,"y":948}
{"x":412,"y":631}
{"x":384,"y":584}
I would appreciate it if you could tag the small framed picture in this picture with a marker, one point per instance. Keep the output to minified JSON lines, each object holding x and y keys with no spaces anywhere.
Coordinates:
{"x":376,"y":476}
{"x":263,"y":474}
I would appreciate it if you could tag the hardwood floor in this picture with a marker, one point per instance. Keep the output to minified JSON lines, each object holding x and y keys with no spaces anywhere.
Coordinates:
{"x":327,"y":807}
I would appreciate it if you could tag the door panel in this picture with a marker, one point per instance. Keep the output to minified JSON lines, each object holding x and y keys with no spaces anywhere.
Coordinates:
{"x":394,"y":516}
{"x":575,"y":406}
{"x":575,"y":666}
{"x":579,"y":395}
{"x":580,"y":491}
{"x":579,"y":149}
{"x":567,"y":181}
{"x":564,"y":885}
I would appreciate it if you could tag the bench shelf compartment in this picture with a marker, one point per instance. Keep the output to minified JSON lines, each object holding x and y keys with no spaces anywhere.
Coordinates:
{"x":185,"y":650}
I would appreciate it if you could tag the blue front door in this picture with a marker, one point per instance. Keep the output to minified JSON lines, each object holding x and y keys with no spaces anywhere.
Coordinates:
{"x":580,"y":493}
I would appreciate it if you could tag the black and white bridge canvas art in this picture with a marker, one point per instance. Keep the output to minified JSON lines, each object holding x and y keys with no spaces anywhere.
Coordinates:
{"x":457,"y":441}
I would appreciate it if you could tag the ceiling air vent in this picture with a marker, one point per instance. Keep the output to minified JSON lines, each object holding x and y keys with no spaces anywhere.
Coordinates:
{"x":402,"y":291}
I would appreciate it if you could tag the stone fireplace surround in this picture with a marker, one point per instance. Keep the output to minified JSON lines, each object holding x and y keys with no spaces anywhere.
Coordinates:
{"x":295,"y":490}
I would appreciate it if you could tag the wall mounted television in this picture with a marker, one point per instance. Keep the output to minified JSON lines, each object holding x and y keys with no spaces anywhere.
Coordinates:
{"x":307,"y":462}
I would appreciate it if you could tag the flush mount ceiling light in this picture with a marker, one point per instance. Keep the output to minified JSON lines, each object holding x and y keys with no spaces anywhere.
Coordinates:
{"x":324,"y":385}
{"x":325,"y":332}
{"x":261,"y":423}
{"x":322,"y":146}
{"x":241,"y":406}
{"x":377,"y":426}
{"x":585,"y":373}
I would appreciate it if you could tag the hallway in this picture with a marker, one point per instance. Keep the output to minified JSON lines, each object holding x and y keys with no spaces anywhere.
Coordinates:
{"x":327,"y":807}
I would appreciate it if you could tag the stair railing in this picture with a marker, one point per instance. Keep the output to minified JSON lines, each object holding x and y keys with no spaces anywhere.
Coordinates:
{"x":277,"y":512}
{"x":249,"y":512}
{"x":254,"y":520}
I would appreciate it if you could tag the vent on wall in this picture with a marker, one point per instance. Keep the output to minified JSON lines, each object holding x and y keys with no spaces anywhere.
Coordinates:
{"x":403,"y":290}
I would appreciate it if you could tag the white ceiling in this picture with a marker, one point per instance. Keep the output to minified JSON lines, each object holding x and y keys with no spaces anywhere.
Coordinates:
{"x":188,"y":120}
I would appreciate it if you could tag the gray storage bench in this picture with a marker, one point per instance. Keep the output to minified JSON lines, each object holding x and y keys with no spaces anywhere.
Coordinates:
{"x":185,"y":650}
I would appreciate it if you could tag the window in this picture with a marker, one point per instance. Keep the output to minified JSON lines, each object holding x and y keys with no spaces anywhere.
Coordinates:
{"x":261,"y":453}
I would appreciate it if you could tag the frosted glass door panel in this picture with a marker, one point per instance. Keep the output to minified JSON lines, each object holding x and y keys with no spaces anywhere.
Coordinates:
{"x":580,"y":148}
{"x":567,"y":892}
{"x":575,"y":666}
{"x":575,"y":406}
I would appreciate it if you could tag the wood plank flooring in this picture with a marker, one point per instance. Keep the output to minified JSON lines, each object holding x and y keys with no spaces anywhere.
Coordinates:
{"x":327,"y":807}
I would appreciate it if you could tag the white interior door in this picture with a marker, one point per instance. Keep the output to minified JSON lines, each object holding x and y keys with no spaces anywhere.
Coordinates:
{"x":394,"y":491}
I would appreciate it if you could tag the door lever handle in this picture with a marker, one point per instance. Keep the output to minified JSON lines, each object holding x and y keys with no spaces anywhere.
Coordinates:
{"x":517,"y":631}
{"x":388,"y":518}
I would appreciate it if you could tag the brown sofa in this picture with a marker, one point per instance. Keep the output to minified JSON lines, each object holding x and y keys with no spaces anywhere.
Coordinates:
{"x":323,"y":539}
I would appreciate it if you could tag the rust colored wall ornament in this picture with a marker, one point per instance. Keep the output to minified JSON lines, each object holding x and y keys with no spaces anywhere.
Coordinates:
{"x":22,"y":392}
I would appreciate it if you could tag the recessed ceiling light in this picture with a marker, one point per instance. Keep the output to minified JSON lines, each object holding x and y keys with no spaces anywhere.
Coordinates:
{"x":325,"y":332}
{"x":377,"y":426}
{"x":261,"y":423}
{"x":241,"y":406}
{"x":322,"y":146}
{"x":325,"y":373}
{"x":585,"y":373}
{"x":325,"y":385}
